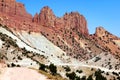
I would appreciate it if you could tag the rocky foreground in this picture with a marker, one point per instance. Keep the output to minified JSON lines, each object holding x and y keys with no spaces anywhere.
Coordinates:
{"x":19,"y":74}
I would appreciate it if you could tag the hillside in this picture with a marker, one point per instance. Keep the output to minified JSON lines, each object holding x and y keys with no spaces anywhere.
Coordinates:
{"x":59,"y":46}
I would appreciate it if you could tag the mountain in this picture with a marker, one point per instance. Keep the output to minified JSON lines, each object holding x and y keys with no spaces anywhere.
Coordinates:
{"x":64,"y":43}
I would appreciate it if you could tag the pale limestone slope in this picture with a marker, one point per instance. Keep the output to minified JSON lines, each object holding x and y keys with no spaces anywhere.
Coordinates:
{"x":39,"y":44}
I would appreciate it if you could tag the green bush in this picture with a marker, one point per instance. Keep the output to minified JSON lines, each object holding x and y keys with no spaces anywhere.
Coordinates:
{"x":99,"y":76}
{"x":13,"y":65}
{"x":67,"y":68}
{"x":79,"y":71}
{"x":71,"y":76}
{"x":90,"y":78}
{"x":83,"y":78}
{"x":42,"y":67}
{"x":53,"y":69}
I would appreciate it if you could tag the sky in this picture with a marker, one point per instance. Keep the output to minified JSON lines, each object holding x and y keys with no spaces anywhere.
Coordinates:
{"x":105,"y":13}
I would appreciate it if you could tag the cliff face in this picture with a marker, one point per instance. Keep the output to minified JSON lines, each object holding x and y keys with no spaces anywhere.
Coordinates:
{"x":75,"y":20}
{"x":69,"y":20}
{"x":14,"y":9}
{"x":64,"y":32}
{"x":107,"y":40}
{"x":46,"y":18}
{"x":71,"y":25}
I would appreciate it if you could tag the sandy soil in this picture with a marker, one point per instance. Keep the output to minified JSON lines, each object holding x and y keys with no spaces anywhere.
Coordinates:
{"x":20,"y":74}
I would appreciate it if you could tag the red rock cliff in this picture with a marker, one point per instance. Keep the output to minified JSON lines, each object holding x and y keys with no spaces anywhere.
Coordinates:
{"x":15,"y":16}
{"x":14,"y":9}
{"x":75,"y":20}
{"x":70,"y":20}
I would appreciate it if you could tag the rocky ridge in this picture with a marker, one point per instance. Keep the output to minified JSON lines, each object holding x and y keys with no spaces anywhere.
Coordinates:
{"x":14,"y":9}
{"x":106,"y":40}
{"x":14,"y":15}
{"x":69,"y":33}
{"x":69,"y":20}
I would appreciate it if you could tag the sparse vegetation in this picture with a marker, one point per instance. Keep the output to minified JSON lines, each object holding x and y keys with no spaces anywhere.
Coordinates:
{"x":53,"y":69}
{"x":42,"y":67}
{"x":71,"y":76}
{"x":99,"y":76}
{"x":67,"y":68}
{"x":79,"y":71}
{"x":76,"y":51}
{"x":13,"y":65}
{"x":8,"y":40}
{"x":52,"y":77}
{"x":90,"y":78}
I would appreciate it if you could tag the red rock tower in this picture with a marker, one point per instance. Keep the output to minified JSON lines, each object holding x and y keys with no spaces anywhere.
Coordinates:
{"x":13,"y":8}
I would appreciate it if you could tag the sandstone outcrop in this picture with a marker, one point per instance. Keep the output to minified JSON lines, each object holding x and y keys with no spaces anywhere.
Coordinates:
{"x":69,"y":20}
{"x":106,"y":40}
{"x":14,"y":9}
{"x":14,"y":15}
{"x":75,"y":20}
{"x":101,"y":32}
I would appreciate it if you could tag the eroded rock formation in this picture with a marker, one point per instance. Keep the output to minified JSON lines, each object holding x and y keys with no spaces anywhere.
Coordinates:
{"x":69,"y":20}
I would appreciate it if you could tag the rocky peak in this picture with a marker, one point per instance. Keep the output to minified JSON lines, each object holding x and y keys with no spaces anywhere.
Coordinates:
{"x":36,"y":18}
{"x":18,"y":16}
{"x":107,"y":40}
{"x":75,"y":20}
{"x":70,"y":20}
{"x":100,"y":31}
{"x":11,"y":8}
{"x":46,"y":17}
{"x":46,"y":10}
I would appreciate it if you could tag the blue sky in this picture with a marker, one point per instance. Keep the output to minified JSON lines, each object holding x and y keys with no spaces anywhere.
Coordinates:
{"x":104,"y":13}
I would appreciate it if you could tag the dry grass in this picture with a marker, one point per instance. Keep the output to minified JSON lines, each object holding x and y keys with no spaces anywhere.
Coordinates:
{"x":50,"y":76}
